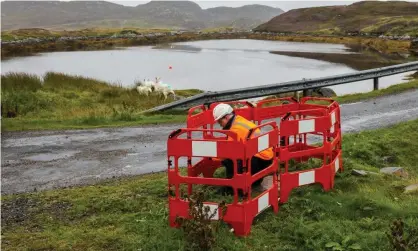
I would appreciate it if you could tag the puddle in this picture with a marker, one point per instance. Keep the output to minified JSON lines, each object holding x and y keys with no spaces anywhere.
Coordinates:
{"x":51,"y":156}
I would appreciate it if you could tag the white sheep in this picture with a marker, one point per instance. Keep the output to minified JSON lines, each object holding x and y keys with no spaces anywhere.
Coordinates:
{"x":144,"y":90}
{"x":164,"y":89}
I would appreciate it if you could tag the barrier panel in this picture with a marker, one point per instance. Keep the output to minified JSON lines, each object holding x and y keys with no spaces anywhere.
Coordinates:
{"x":315,"y":122}
{"x":238,"y":214}
{"x":290,"y":138}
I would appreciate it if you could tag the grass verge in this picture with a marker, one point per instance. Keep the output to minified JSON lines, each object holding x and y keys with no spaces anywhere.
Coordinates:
{"x":61,"y":101}
{"x":131,"y":213}
{"x":394,"y":89}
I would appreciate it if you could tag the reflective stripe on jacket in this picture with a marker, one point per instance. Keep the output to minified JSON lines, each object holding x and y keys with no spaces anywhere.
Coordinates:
{"x":242,"y":127}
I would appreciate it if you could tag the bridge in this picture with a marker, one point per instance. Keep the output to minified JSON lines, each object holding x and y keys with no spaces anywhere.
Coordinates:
{"x":291,"y":86}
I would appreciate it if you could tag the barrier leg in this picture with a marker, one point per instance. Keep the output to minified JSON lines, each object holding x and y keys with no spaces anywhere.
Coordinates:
{"x":243,"y":228}
{"x":273,"y":195}
{"x":177,"y":208}
{"x":322,"y":177}
{"x":285,"y":187}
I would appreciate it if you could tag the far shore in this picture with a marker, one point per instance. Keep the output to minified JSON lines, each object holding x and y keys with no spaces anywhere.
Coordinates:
{"x":86,"y":43}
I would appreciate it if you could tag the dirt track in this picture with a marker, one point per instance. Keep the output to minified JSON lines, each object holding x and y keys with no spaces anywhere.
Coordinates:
{"x":50,"y":159}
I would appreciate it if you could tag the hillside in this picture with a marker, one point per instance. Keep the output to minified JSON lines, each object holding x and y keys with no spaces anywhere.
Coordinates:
{"x":246,"y":16}
{"x":376,"y":17}
{"x":154,"y":14}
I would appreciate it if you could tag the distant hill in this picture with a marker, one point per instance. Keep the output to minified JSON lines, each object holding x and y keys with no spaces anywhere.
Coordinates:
{"x":246,"y":16}
{"x":392,"y":17}
{"x":154,"y":14}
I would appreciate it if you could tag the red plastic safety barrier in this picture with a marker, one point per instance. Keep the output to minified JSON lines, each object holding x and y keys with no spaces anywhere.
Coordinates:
{"x":298,"y":120}
{"x":239,"y":214}
{"x":318,"y":121}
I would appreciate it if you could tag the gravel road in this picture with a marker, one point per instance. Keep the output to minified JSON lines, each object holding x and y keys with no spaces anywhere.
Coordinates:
{"x":42,"y":160}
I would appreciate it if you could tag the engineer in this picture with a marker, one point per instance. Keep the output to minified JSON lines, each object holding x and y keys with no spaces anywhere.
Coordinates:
{"x":228,"y":120}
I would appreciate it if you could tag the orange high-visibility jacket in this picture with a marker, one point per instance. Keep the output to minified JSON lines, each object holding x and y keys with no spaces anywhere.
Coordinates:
{"x":241,"y":127}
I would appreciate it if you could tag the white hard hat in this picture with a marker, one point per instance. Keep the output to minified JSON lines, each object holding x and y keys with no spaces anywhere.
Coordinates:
{"x":221,"y":110}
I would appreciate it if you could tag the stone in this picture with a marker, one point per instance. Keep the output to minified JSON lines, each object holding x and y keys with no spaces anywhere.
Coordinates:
{"x":397,"y":171}
{"x":411,"y":188}
{"x":267,"y":182}
{"x":358,"y":172}
{"x":327,"y":92}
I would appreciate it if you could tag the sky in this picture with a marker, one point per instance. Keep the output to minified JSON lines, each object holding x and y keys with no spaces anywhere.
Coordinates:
{"x":284,"y":5}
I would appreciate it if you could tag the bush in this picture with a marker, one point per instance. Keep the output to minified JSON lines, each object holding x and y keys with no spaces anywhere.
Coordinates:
{"x":199,"y":230}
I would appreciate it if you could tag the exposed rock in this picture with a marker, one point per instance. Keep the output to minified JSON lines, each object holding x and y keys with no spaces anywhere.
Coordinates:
{"x":411,"y":188}
{"x":389,"y":159}
{"x":321,"y":92}
{"x":397,"y":171}
{"x":358,"y":172}
{"x":327,"y":92}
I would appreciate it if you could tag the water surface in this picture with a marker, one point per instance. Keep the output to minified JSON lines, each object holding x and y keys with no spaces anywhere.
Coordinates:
{"x":212,"y":65}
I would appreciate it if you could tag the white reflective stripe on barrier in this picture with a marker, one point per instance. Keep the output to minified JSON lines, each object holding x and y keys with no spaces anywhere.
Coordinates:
{"x":337,"y":164}
{"x":333,"y":118}
{"x":306,"y":178}
{"x":333,"y":121}
{"x":212,"y":209}
{"x":263,"y":202}
{"x":263,"y":142}
{"x":306,"y":126}
{"x":204,"y":148}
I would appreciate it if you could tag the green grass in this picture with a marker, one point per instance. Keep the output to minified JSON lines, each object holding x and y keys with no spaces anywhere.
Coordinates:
{"x":22,"y":124}
{"x":131,"y":213}
{"x":394,"y":89}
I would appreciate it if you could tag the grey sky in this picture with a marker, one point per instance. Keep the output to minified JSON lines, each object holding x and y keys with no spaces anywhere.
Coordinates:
{"x":285,"y":5}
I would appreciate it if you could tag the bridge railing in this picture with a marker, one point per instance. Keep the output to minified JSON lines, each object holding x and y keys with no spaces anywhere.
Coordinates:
{"x":291,"y":86}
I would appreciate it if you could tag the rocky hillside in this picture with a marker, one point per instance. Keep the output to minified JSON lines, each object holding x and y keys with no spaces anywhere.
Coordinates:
{"x":372,"y":17}
{"x":154,"y":14}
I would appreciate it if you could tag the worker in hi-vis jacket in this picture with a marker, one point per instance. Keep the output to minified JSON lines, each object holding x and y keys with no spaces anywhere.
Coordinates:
{"x":228,"y":120}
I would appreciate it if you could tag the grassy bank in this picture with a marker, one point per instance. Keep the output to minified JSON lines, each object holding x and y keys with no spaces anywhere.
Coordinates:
{"x":374,"y":44}
{"x":60,"y":101}
{"x":131,"y":214}
{"x":14,"y":50}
